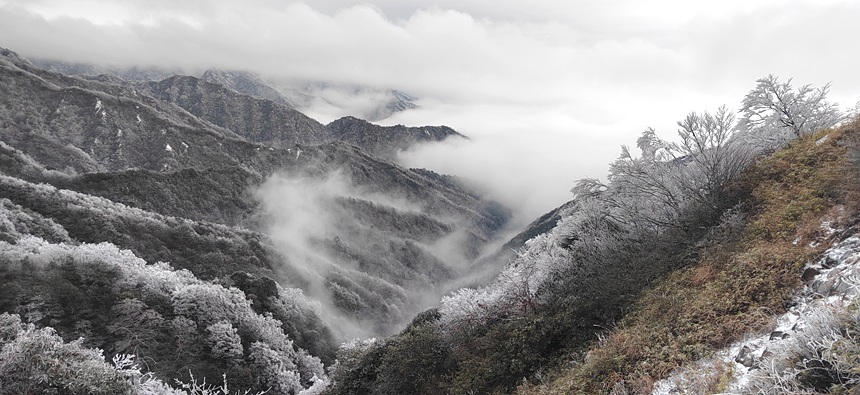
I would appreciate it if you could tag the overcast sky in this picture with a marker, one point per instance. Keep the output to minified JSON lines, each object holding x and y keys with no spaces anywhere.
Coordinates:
{"x":547,"y":89}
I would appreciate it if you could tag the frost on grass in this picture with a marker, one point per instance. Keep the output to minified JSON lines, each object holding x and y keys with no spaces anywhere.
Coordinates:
{"x":813,"y":348}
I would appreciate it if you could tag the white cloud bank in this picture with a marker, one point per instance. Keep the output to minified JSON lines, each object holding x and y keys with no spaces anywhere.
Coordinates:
{"x":548,"y":89}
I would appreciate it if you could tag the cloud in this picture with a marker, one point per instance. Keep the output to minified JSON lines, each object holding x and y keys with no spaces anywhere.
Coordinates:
{"x":302,"y":217}
{"x":526,"y":160}
{"x":561,"y":83}
{"x":370,"y":258}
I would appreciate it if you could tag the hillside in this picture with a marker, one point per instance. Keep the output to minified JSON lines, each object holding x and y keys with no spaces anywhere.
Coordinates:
{"x":801,"y":203}
{"x":387,"y":141}
{"x":688,"y":248}
{"x":150,"y":229}
{"x":257,"y":120}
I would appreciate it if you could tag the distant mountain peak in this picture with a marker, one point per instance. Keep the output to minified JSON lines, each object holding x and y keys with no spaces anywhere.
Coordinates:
{"x":129,"y":74}
{"x":387,"y":141}
{"x":365,"y":102}
{"x":247,"y":83}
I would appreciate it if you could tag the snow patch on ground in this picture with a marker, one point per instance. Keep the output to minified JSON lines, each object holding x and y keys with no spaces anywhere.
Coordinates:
{"x":833,"y":283}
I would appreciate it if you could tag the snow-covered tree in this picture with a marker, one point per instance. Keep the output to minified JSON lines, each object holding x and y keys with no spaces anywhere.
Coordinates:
{"x":775,"y":112}
{"x":224,"y":341}
{"x":274,"y":370}
{"x":169,"y":316}
{"x":38,"y":361}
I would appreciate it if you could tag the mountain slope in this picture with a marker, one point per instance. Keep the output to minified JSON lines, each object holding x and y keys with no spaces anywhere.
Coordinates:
{"x":386,"y":228}
{"x":655,"y":268}
{"x":257,"y":120}
{"x":274,"y":123}
{"x":249,"y":84}
{"x":749,"y":270}
{"x":387,"y":141}
{"x":364,"y":102}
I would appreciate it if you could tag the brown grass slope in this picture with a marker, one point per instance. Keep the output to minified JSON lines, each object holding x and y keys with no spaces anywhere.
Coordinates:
{"x":745,"y":274}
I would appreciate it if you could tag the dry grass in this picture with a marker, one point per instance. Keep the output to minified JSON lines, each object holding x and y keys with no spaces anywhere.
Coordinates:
{"x":737,"y":286}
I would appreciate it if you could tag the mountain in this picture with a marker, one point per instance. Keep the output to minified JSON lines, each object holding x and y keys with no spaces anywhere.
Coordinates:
{"x":387,"y":141}
{"x":372,"y":104}
{"x":488,"y":266}
{"x":250,"y":84}
{"x":132,"y":74}
{"x":138,"y":194}
{"x":267,"y":122}
{"x":257,"y":120}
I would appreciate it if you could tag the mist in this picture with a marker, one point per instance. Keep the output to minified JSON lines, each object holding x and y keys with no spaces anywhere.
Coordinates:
{"x":372,"y":260}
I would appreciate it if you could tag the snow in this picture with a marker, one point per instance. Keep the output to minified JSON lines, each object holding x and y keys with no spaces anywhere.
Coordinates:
{"x":101,"y":109}
{"x":835,"y":287}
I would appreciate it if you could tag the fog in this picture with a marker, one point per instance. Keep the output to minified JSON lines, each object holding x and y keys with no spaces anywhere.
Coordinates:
{"x":371,"y":259}
{"x":528,"y":165}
